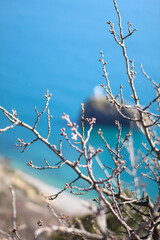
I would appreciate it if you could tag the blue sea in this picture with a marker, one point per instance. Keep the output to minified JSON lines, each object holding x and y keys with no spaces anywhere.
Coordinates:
{"x":55,"y":45}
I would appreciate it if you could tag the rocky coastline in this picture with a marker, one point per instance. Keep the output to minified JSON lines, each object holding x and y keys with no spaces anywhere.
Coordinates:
{"x":105,"y":112}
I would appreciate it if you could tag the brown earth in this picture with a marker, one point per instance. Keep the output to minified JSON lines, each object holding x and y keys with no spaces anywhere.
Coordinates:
{"x":30,"y":205}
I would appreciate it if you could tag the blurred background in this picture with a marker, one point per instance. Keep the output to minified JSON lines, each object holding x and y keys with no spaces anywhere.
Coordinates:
{"x":55,"y":45}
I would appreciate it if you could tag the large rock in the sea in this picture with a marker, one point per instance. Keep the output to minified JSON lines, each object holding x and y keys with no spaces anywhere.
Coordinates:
{"x":105,"y":112}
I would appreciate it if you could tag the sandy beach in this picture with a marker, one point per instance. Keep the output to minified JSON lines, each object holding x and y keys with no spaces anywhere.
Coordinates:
{"x":66,"y":202}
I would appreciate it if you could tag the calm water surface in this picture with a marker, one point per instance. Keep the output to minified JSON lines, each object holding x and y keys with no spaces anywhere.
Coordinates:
{"x":55,"y":45}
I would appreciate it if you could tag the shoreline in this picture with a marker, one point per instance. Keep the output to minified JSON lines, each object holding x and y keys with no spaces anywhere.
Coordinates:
{"x":65,"y":203}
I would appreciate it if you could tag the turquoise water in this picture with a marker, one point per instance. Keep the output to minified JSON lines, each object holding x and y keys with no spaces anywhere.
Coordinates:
{"x":55,"y":45}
